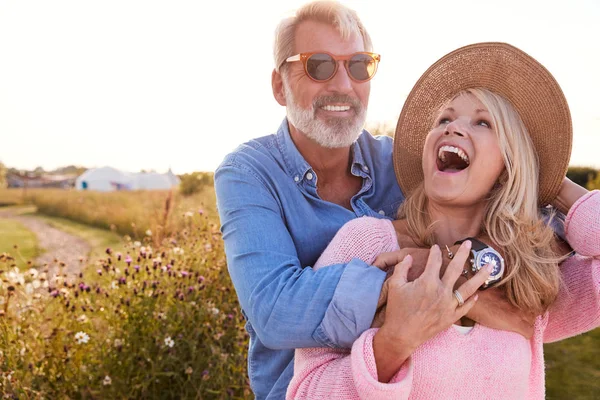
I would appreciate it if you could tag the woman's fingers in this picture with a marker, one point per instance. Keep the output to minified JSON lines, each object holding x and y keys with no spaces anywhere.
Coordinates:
{"x":457,"y":265}
{"x":469,"y":288}
{"x":434,"y":263}
{"x":461,"y":311}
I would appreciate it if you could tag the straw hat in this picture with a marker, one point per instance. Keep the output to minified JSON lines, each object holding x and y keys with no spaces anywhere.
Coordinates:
{"x":502,"y":69}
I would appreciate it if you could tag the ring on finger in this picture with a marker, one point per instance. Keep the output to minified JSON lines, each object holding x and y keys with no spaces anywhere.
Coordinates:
{"x":459,"y":298}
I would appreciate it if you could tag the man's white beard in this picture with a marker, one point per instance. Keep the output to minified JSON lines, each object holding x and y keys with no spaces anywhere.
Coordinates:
{"x":332,"y":132}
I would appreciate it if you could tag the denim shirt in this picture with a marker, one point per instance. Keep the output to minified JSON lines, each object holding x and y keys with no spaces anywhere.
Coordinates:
{"x":275,"y":227}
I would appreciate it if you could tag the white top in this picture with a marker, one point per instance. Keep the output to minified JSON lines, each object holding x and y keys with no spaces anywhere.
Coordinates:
{"x":463,"y":329}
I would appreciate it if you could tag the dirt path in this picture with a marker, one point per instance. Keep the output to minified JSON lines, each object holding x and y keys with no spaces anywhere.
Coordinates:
{"x":57,"y":245}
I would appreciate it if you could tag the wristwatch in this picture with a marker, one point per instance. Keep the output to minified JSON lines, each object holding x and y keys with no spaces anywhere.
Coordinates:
{"x":481,"y":255}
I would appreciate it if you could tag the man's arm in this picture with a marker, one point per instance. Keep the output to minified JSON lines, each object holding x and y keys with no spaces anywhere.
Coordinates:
{"x":288,"y":306}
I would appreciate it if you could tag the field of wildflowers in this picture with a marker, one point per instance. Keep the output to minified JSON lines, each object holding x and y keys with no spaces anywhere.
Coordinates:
{"x":157,"y":318}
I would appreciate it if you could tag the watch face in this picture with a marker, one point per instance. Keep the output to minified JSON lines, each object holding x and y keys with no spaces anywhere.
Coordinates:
{"x":489,"y":257}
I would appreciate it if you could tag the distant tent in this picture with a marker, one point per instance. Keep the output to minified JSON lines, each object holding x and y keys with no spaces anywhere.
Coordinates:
{"x":104,"y":179}
{"x":152,"y":181}
{"x":110,"y":179}
{"x":174,"y":179}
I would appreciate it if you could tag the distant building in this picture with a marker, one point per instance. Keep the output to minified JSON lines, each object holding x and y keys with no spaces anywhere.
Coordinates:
{"x":108,"y":179}
{"x":30,"y":180}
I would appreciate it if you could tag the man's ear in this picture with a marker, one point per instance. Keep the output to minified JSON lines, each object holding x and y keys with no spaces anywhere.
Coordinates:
{"x":277,"y":85}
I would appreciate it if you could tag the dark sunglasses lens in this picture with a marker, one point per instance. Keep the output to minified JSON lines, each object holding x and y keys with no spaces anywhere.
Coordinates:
{"x":320,"y":66}
{"x":362,"y":67}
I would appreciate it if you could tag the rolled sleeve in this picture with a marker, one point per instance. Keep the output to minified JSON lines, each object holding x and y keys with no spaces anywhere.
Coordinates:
{"x":352,"y":307}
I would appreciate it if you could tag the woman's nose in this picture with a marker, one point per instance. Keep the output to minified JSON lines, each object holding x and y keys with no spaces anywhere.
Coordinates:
{"x":455,"y":128}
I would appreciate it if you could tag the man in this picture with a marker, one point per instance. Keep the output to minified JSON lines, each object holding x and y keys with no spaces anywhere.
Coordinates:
{"x":282,"y":197}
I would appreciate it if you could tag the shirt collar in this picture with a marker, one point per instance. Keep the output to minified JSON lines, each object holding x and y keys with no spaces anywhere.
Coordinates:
{"x":297,"y":166}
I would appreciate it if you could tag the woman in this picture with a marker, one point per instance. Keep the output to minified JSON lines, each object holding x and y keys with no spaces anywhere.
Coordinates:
{"x":472,"y":131}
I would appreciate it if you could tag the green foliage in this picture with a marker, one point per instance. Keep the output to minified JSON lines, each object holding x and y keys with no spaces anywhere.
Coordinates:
{"x":18,"y":240}
{"x":150,"y":323}
{"x":195,"y":182}
{"x":581,"y":175}
{"x":2,"y":176}
{"x":573,"y":367}
{"x":594,"y":183}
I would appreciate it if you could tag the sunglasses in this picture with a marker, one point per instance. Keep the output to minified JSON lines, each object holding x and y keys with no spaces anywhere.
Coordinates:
{"x":321,"y":67}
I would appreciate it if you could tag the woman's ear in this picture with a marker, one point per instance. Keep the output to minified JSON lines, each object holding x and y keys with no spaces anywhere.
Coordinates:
{"x":277,"y":86}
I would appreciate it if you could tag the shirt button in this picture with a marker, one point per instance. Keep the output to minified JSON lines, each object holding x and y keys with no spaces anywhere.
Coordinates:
{"x":309,"y":176}
{"x":365,"y":168}
{"x":296,"y":178}
{"x":381,"y":212}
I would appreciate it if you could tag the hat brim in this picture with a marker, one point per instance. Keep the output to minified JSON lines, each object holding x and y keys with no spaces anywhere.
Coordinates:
{"x":502,"y":69}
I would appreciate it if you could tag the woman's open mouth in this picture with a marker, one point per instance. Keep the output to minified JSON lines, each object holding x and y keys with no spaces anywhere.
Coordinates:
{"x":452,"y":159}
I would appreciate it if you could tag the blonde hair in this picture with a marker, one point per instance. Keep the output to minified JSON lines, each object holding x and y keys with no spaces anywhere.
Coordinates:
{"x":512,"y":218}
{"x":344,"y":19}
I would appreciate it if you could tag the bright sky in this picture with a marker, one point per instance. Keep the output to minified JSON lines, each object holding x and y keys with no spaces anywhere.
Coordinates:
{"x":151,"y":84}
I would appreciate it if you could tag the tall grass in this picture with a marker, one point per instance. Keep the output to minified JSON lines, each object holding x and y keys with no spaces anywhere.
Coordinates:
{"x":161,"y":213}
{"x":154,"y":322}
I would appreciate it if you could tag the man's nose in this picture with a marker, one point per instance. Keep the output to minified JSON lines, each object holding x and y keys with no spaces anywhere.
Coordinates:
{"x":341,"y":81}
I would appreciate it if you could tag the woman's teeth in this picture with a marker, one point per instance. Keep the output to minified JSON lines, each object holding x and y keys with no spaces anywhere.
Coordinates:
{"x":452,"y":149}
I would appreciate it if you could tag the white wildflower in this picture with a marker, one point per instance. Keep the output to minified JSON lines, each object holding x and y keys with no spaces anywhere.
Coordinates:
{"x":36,"y":284}
{"x":148,"y":232}
{"x":33,"y":272}
{"x":16,"y":277}
{"x":29,"y":288}
{"x":189,"y":214}
{"x":169,"y":342}
{"x":137,"y":244}
{"x":107,"y":381}
{"x":82,"y":337}
{"x":177,"y":250}
{"x":164,"y":268}
{"x":114,"y":285}
{"x":215,"y":310}
{"x":118,"y":343}
{"x":83,"y":318}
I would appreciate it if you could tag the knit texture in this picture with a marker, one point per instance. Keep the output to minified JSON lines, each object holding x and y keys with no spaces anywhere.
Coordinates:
{"x":484,"y":364}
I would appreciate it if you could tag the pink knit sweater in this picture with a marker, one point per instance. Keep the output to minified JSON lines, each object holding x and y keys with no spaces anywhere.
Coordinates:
{"x":485,"y":363}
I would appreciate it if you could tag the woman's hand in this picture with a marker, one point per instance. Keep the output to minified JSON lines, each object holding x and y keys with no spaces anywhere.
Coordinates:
{"x":419,"y":310}
{"x":568,"y":194}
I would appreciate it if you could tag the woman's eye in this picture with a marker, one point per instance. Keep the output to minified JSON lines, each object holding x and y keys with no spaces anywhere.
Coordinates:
{"x":484,"y":123}
{"x":444,"y":121}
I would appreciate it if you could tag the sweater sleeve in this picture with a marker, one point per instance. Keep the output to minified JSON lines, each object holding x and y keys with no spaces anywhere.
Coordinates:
{"x":363,"y":238}
{"x":577,"y":307}
{"x":325,"y":373}
{"x":337,"y":374}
